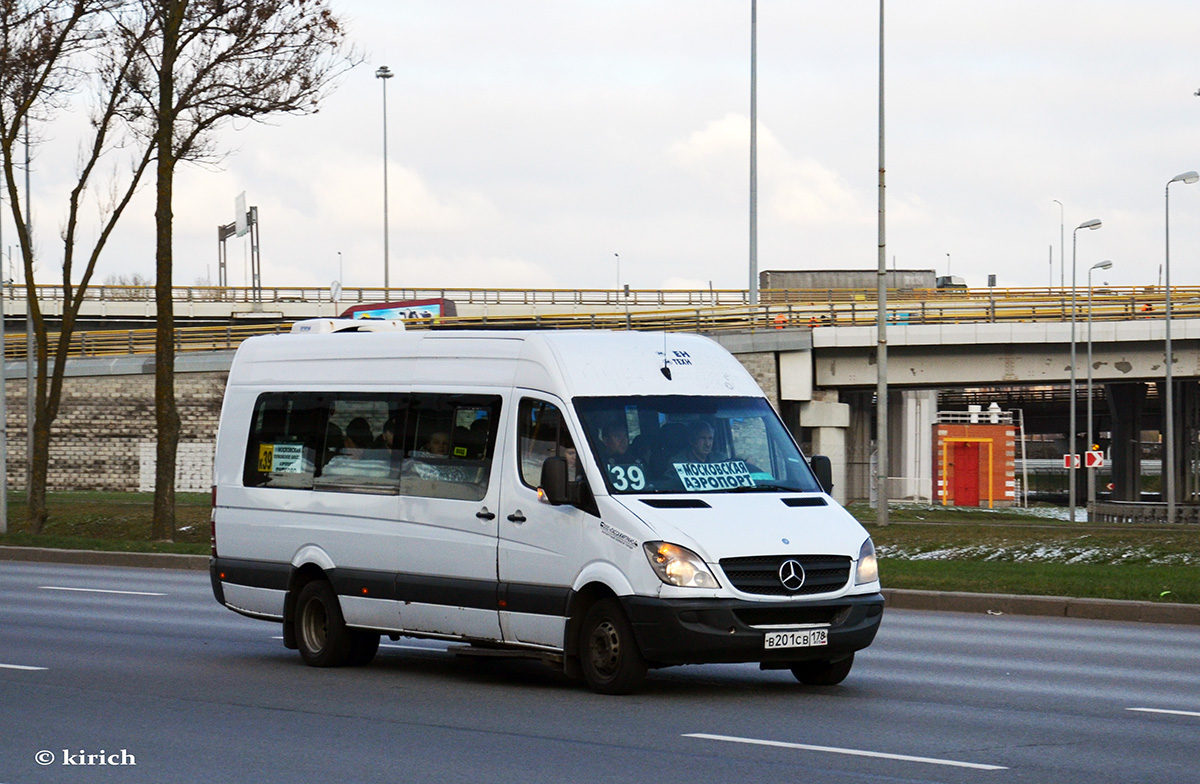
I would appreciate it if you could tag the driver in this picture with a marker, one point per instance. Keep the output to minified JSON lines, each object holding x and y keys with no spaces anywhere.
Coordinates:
{"x":614,"y":442}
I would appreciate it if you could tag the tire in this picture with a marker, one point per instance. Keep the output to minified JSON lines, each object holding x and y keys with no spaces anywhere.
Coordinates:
{"x":608,"y":653}
{"x":822,"y":672}
{"x":363,"y":647}
{"x":321,"y":633}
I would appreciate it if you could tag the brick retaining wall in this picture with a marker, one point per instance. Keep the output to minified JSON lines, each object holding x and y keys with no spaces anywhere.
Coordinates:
{"x":103,"y":438}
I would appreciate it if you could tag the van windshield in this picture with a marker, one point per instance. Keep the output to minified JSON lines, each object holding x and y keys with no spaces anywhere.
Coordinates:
{"x":692,"y":444}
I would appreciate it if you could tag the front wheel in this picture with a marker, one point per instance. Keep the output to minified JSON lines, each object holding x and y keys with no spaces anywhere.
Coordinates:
{"x":821,"y":672}
{"x":321,"y":632}
{"x":608,"y":652}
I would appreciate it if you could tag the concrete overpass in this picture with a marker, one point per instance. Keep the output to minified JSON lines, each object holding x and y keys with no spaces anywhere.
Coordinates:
{"x":956,"y":355}
{"x":814,"y":353}
{"x":827,"y":392}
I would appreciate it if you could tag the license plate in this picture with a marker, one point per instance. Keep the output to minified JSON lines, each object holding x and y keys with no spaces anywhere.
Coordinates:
{"x":806,"y":638}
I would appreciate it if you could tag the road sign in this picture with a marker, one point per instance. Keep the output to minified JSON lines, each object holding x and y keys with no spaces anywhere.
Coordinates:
{"x":1094,"y":459}
{"x":1070,"y":461}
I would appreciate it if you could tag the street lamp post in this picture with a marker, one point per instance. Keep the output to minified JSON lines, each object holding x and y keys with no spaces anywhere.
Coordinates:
{"x":881,"y":352}
{"x":1092,"y":224}
{"x":384,"y":73}
{"x":1091,"y":472}
{"x":1187,"y":178}
{"x":753,"y":292}
{"x":1062,"y":267}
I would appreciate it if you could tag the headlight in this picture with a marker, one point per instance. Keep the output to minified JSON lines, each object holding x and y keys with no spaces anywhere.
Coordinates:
{"x":868,"y":565}
{"x":677,"y":565}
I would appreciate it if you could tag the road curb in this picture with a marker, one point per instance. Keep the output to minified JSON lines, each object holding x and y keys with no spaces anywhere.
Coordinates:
{"x":105,"y":558}
{"x":900,"y":599}
{"x":1052,"y":606}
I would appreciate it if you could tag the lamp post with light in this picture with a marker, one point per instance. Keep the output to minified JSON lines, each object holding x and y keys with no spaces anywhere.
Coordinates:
{"x":384,"y":73}
{"x":1187,"y":178}
{"x":1092,"y":224}
{"x":1062,"y":268}
{"x":1091,"y":472}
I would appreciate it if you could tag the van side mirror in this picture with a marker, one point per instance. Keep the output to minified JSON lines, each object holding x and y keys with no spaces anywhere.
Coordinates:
{"x":824,"y":470}
{"x":553,"y":487}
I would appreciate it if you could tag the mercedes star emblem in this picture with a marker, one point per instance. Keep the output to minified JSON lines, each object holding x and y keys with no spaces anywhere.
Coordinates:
{"x":791,"y":574}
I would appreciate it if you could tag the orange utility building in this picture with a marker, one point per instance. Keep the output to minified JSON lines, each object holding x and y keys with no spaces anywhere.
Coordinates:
{"x":975,"y":459}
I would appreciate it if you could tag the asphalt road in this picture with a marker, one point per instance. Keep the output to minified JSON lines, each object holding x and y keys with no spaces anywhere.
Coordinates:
{"x":163,"y":685}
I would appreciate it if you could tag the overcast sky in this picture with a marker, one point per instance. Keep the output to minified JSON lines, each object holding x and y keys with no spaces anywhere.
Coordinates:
{"x":531,"y":140}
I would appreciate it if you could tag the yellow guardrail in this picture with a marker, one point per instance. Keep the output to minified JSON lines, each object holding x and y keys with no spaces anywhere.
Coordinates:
{"x":659,"y":298}
{"x":790,"y":315}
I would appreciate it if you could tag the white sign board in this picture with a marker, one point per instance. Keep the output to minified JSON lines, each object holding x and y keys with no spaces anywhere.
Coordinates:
{"x":239,"y":217}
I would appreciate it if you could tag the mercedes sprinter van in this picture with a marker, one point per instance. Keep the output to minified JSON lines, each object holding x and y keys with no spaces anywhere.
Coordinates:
{"x":607,"y":501}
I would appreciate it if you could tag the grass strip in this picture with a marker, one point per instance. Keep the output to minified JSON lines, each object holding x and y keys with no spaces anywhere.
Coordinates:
{"x":1174,"y":584}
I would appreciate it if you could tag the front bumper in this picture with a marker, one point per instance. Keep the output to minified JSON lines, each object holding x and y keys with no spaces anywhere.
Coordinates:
{"x":710,"y":631}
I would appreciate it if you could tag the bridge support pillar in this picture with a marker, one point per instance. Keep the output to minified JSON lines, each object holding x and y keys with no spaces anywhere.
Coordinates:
{"x":1189,"y":434}
{"x":910,"y":419}
{"x":1126,"y":403}
{"x":827,"y":420}
{"x":914,"y":412}
{"x":1187,"y":420}
{"x":859,"y":443}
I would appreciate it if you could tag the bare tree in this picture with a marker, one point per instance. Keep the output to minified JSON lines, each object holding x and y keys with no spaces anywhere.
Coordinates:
{"x":207,"y":62}
{"x":50,"y":51}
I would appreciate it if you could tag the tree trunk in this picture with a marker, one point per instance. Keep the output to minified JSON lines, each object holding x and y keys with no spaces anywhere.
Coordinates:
{"x":166,"y":415}
{"x":37,"y":512}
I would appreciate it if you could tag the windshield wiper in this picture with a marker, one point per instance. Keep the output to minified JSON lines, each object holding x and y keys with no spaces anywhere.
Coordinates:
{"x":760,"y":488}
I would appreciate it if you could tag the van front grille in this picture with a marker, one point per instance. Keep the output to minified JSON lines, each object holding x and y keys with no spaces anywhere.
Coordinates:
{"x":760,"y":574}
{"x":822,"y":615}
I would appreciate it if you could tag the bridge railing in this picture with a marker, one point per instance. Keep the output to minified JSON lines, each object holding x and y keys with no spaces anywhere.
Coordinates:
{"x":1040,"y":298}
{"x":94,"y":343}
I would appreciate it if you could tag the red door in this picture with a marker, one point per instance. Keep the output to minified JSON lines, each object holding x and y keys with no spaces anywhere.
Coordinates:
{"x":965,"y":474}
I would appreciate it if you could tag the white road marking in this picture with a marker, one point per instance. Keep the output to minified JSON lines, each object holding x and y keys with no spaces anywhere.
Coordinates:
{"x":848,"y":752}
{"x":20,"y":667}
{"x":1168,"y":712}
{"x":99,"y":590}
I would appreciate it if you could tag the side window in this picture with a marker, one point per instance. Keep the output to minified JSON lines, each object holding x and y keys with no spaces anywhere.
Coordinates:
{"x":357,"y":456}
{"x":751,"y":444}
{"x":447,"y":444}
{"x":286,"y":439}
{"x":541,"y":434}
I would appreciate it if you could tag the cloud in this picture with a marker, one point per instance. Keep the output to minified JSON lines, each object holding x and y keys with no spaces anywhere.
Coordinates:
{"x":792,"y":190}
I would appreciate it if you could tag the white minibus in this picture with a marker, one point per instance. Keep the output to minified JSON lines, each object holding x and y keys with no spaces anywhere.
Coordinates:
{"x":609,"y":502}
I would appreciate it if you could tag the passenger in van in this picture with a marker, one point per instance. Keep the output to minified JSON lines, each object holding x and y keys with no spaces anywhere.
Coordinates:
{"x":438,"y":445}
{"x":572,"y":457}
{"x":700,"y":445}
{"x":432,"y":461}
{"x":358,"y":438}
{"x":358,"y":457}
{"x":477,"y":442}
{"x":334,"y":443}
{"x":387,"y":436}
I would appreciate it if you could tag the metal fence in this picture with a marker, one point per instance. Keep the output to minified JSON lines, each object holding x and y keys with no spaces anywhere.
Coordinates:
{"x":779,"y":310}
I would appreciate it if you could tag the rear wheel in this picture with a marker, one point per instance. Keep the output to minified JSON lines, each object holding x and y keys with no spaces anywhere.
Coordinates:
{"x":608,"y":652}
{"x":363,"y":647}
{"x":321,"y":632}
{"x":822,"y":672}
